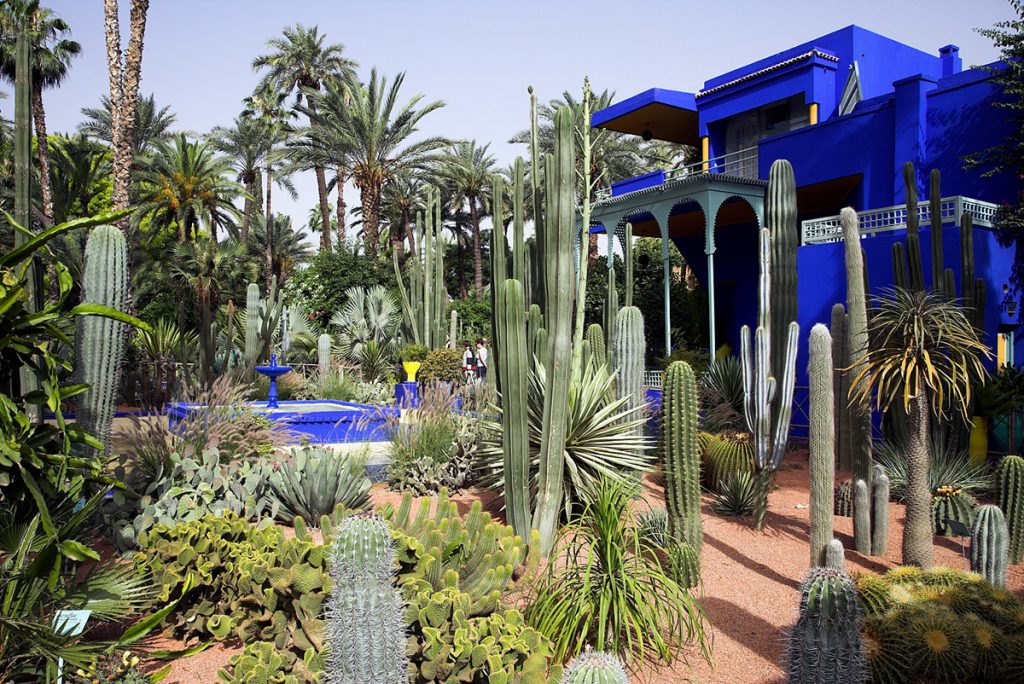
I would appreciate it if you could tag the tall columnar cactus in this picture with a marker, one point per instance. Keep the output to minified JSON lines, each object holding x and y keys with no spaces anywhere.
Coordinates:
{"x":628,"y":258}
{"x":365,"y":620}
{"x":989,"y":545}
{"x":611,"y":308}
{"x":862,"y":514}
{"x":856,"y":349}
{"x":323,"y":354}
{"x":879,"y":511}
{"x":23,"y":174}
{"x":763,"y":394}
{"x":825,"y":646}
{"x":822,"y":441}
{"x":425,"y":300}
{"x":252,"y":321}
{"x":682,"y":457}
{"x":598,"y":351}
{"x":513,"y":360}
{"x":101,"y":340}
{"x":628,"y":356}
{"x":915,"y":267}
{"x":935,"y":206}
{"x":840,"y":388}
{"x":781,"y":220}
{"x":1011,"y":500}
{"x":595,"y":667}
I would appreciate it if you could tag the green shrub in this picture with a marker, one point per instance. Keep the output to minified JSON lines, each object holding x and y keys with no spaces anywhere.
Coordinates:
{"x":474,"y":317}
{"x":441,"y":365}
{"x":414,"y":352}
{"x":612,"y":591}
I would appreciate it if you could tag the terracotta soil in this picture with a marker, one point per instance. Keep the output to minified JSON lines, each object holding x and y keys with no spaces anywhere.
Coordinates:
{"x":750,"y":582}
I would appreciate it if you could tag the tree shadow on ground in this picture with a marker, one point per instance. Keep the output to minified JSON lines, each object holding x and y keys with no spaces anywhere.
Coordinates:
{"x":752,"y":631}
{"x":747,"y":562}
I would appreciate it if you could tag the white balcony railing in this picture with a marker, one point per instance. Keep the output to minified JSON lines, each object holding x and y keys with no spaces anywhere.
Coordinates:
{"x":741,"y":163}
{"x":875,"y":221}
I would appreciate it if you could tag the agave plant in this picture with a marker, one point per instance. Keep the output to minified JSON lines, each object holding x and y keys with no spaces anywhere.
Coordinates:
{"x":735,"y":495}
{"x":602,"y":439}
{"x":314,"y":481}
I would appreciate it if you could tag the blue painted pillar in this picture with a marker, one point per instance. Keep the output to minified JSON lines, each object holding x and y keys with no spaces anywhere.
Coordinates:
{"x":911,"y":131}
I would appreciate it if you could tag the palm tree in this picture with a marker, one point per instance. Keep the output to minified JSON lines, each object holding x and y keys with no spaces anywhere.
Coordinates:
{"x":288,"y":247}
{"x":299,"y":61}
{"x":368,"y":124}
{"x":923,"y":354}
{"x":266,"y":105}
{"x":52,"y":52}
{"x":125,"y":70}
{"x":403,"y":197}
{"x":470,"y":171}
{"x":152,"y":124}
{"x":246,"y":144}
{"x":186,"y":185}
{"x":78,"y":169}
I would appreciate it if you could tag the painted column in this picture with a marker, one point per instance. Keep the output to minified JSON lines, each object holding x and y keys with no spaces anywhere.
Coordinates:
{"x":704,"y":152}
{"x":812,"y":115}
{"x":709,"y":250}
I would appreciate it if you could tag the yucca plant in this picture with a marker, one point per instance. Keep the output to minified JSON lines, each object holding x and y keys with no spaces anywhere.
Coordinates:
{"x":314,"y":481}
{"x":925,"y":355}
{"x":602,"y":438}
{"x":734,"y":495}
{"x":612,"y":592}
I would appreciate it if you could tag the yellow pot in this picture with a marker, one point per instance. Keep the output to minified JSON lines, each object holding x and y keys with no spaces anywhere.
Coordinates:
{"x":411,"y":368}
{"x":978,"y":448}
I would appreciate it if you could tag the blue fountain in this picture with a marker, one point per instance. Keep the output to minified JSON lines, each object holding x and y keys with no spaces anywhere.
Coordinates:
{"x":273,"y":371}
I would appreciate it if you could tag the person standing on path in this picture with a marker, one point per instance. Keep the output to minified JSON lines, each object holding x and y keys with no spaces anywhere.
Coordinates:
{"x":481,"y":359}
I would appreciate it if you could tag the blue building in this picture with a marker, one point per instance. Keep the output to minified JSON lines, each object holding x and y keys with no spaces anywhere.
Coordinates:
{"x":847,"y":109}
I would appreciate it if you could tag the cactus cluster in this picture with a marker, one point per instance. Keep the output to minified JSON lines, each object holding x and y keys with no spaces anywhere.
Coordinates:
{"x":425,"y":299}
{"x":680,"y":452}
{"x":263,"y":317}
{"x":595,"y":667}
{"x":989,"y":545}
{"x":101,"y":340}
{"x":1011,"y":500}
{"x":825,"y":644}
{"x":365,"y":622}
{"x":951,"y":503}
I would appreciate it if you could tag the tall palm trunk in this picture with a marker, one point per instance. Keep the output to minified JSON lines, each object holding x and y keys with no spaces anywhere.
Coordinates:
{"x":398,"y":236}
{"x":247,"y":209}
{"x":43,"y":149}
{"x":917,"y":533}
{"x":460,"y":252}
{"x":325,"y":210}
{"x":340,"y":188}
{"x":409,"y":233}
{"x":369,"y":194}
{"x":268,"y":249}
{"x":124,"y":94}
{"x":478,"y":268}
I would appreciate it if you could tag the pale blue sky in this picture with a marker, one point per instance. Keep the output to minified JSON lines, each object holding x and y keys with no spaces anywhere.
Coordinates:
{"x":480,"y":56}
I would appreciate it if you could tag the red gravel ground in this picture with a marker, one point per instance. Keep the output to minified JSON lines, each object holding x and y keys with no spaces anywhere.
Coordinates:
{"x":750,"y":583}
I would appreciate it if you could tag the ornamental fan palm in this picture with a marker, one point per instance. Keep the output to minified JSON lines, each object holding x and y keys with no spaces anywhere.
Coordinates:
{"x":924,"y":355}
{"x":368,"y":315}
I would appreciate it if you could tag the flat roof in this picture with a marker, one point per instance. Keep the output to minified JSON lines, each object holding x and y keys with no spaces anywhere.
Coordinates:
{"x":657,"y":113}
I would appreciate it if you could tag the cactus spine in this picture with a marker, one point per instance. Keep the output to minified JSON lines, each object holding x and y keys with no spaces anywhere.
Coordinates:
{"x":761,"y":390}
{"x":879,"y":511}
{"x":595,"y":667}
{"x":425,"y":300}
{"x":856,"y":349}
{"x":682,"y":457}
{"x":822,"y":441}
{"x":101,"y":340}
{"x":1011,"y":500}
{"x":323,"y":354}
{"x":781,"y":219}
{"x":365,"y":625}
{"x":835,"y":555}
{"x":989,"y":545}
{"x":825,"y":647}
{"x":252,"y":321}
{"x":628,"y":357}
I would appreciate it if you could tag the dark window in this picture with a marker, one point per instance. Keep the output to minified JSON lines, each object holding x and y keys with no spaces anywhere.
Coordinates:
{"x":777,"y":115}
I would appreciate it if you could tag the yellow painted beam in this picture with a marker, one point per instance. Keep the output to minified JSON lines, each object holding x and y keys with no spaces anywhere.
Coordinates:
{"x":814,"y":113}
{"x":704,"y":151}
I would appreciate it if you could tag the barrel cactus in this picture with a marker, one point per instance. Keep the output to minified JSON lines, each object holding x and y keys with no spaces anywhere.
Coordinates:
{"x":825,"y":645}
{"x":101,"y":340}
{"x":1011,"y":500}
{"x":989,"y":546}
{"x":951,"y":503}
{"x":725,"y":454}
{"x":679,"y":449}
{"x":843,"y":499}
{"x":595,"y":667}
{"x":365,"y":622}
